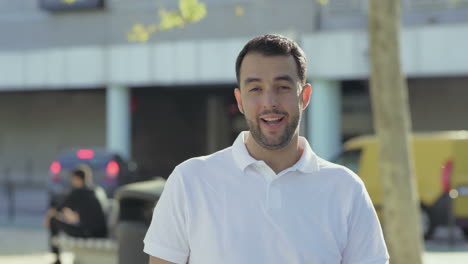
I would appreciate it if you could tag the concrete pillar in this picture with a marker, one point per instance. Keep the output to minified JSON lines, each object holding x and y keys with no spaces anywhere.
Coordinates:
{"x":118,"y":123}
{"x":324,"y":118}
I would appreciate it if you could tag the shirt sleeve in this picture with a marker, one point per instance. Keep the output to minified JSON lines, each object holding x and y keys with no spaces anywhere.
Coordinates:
{"x":366,"y":244}
{"x":166,"y":237}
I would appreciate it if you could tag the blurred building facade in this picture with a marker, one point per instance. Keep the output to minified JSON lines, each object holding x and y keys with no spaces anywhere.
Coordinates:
{"x":70,"y":78}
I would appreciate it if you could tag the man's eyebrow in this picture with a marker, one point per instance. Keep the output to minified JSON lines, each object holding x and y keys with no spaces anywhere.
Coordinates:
{"x":251,"y":80}
{"x":284,"y":78}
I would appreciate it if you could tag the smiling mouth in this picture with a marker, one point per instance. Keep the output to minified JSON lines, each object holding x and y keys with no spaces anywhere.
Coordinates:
{"x":272,"y":121}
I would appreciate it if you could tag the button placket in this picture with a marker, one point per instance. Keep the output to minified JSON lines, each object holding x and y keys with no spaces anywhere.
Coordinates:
{"x":272,"y":191}
{"x":275,"y":199}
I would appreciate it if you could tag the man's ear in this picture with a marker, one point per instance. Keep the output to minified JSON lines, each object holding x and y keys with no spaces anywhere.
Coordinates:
{"x":306,"y":95}
{"x":237,"y":94}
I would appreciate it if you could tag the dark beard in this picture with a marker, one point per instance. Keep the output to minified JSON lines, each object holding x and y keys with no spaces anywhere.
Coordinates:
{"x":284,"y":140}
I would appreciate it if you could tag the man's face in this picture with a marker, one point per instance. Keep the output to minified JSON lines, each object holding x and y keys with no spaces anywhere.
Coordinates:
{"x":272,"y":98}
{"x":76,"y":182}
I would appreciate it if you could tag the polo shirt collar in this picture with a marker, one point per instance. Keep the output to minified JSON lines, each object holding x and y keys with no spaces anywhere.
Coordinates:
{"x":240,"y":152}
{"x":308,"y":162}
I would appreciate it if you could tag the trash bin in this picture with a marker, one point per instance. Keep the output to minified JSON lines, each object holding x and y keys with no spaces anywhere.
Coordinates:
{"x":136,"y":201}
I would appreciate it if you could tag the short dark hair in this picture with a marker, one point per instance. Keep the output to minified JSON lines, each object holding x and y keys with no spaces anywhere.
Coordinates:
{"x":79,"y":173}
{"x":271,"y":45}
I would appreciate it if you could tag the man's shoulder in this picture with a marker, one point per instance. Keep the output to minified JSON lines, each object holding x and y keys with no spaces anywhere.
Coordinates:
{"x":218,"y":158}
{"x":204,"y":170}
{"x":80,"y":193}
{"x":338,"y":172}
{"x":205,"y":164}
{"x":95,"y":188}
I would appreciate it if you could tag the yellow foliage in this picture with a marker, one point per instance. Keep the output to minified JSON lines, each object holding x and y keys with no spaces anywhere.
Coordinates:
{"x":68,"y":1}
{"x":138,"y":28}
{"x":323,"y":2}
{"x":239,"y":11}
{"x":139,"y":33}
{"x":152,"y":28}
{"x":192,"y":10}
{"x":170,"y":20}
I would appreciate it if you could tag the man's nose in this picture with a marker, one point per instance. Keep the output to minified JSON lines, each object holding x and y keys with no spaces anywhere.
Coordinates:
{"x":270,"y":99}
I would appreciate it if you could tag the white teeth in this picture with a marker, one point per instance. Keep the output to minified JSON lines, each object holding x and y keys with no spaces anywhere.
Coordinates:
{"x":272,"y":119}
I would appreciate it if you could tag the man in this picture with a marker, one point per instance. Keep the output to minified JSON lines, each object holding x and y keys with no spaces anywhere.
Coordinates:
{"x":81,"y":214}
{"x":268,"y":198}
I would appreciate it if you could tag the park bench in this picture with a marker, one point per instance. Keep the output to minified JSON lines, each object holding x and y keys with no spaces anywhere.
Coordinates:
{"x":93,"y":250}
{"x":128,"y":221}
{"x":89,"y":250}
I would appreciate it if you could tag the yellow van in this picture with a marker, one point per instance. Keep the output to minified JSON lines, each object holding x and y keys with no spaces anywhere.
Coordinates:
{"x":441,"y":166}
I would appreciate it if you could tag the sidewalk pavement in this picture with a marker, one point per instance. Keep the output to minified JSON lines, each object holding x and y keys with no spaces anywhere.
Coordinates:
{"x":439,"y":251}
{"x":23,"y":239}
{"x":24,"y":243}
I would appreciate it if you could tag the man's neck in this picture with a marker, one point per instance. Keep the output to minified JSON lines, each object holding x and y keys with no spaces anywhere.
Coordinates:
{"x":277,"y":160}
{"x":78,"y":186}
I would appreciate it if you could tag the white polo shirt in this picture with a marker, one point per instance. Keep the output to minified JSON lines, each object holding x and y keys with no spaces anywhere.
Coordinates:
{"x":230,"y":208}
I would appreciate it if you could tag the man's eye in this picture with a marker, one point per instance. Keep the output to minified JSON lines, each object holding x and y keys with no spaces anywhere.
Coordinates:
{"x":255,"y":89}
{"x":285,"y":87}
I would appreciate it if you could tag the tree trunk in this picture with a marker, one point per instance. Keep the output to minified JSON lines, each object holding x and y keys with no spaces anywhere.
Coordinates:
{"x":401,"y":210}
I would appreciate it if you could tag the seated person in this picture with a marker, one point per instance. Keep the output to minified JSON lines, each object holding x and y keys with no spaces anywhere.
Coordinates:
{"x":81,"y":214}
